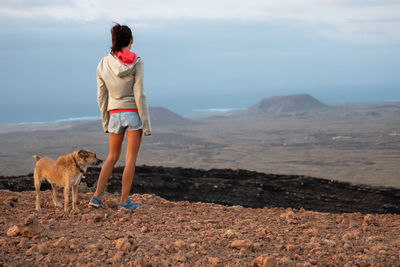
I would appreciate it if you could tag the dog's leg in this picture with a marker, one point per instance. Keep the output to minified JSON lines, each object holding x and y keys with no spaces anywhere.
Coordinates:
{"x":37,"y":188}
{"x":75,"y":197}
{"x":66,"y":197}
{"x":56,"y":203}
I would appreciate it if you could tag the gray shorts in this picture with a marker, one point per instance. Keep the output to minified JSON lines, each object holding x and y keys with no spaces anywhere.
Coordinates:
{"x":121,"y":121}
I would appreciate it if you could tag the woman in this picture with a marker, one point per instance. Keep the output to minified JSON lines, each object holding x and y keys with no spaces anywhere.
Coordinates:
{"x":123,"y":107}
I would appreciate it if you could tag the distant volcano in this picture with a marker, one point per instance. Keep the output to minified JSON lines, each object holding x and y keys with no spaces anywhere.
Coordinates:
{"x":160,"y":116}
{"x":287,"y":104}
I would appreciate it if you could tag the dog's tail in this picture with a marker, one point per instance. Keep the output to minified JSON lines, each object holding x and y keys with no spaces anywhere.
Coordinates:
{"x":36,"y":157}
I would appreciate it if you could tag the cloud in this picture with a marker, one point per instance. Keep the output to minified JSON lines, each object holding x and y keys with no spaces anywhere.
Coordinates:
{"x":358,"y":2}
{"x":380,"y":18}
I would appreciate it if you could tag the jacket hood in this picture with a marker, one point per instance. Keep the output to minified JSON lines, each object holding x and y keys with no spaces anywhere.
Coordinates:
{"x":125,"y":56}
{"x":117,"y":67}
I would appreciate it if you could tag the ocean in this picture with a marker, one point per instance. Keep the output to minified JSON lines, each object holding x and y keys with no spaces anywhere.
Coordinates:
{"x":65,"y":117}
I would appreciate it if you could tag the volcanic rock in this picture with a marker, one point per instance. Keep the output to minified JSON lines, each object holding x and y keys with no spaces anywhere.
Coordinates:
{"x":123,"y":244}
{"x":30,"y":228}
{"x":13,"y":231}
{"x":239,"y":244}
{"x":264,"y":261}
{"x":370,"y":220}
{"x":230,"y":234}
{"x":214,"y":261}
{"x":222,"y":186}
{"x":62,"y":242}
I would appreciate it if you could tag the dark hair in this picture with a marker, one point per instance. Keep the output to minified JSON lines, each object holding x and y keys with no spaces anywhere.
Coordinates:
{"x":121,"y":36}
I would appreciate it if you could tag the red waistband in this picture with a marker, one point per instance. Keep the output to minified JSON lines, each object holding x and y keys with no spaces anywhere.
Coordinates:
{"x":122,"y":110}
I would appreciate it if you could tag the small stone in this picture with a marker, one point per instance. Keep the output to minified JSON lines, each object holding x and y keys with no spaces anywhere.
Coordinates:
{"x":214,"y":261}
{"x":95,"y":247}
{"x":111,"y":235}
{"x":382,"y":252}
{"x":12,"y":199}
{"x":73,"y":247}
{"x":369,"y":219}
{"x":30,"y":219}
{"x":347,"y":245}
{"x":97,"y":217}
{"x":112,"y":204}
{"x":239,"y":244}
{"x":86,"y":217}
{"x":30,"y":251}
{"x":264,"y":261}
{"x":230,"y":234}
{"x":144,"y":229}
{"x":330,"y":243}
{"x":285,"y":260}
{"x":139,"y":263}
{"x":180,"y":257}
{"x":291,"y":247}
{"x":22,"y":243}
{"x":32,"y":227}
{"x":42,"y":249}
{"x":13,"y":231}
{"x":117,"y":257}
{"x":62,"y":242}
{"x":122,"y":244}
{"x":256,"y":246}
{"x":351,"y":235}
{"x":123,"y":219}
{"x":179,"y":243}
{"x":124,"y":212}
{"x":311,"y":232}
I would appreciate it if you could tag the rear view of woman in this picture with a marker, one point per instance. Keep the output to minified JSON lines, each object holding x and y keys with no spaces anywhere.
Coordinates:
{"x":123,"y":106}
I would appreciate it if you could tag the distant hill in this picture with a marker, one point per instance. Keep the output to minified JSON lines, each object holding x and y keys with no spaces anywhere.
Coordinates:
{"x":160,"y":116}
{"x":287,"y":104}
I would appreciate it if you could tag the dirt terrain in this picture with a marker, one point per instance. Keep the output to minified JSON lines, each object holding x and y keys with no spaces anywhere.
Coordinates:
{"x":166,"y":233}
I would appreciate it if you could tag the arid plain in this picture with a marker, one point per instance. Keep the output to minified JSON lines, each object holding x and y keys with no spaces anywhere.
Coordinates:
{"x":357,"y":143}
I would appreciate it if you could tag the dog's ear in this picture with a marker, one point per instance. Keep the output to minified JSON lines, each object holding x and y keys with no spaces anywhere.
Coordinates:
{"x":83,"y":153}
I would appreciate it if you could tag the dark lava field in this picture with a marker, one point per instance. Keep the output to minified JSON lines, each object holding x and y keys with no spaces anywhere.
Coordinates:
{"x":241,"y":187}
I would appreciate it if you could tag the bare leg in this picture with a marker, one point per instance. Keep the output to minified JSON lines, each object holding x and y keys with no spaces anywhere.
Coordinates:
{"x":112,"y":158}
{"x":75,"y":197}
{"x":37,"y":189}
{"x":66,"y":197}
{"x":55,"y":201}
{"x":132,"y":149}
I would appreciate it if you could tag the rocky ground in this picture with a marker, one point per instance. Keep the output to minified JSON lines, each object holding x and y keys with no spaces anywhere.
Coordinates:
{"x":166,"y":233}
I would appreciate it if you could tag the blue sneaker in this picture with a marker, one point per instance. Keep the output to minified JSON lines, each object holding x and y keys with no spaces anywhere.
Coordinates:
{"x":96,"y":202}
{"x":129,"y":205}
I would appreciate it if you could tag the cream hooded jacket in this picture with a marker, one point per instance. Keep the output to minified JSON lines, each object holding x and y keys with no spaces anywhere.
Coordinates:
{"x":120,"y":86}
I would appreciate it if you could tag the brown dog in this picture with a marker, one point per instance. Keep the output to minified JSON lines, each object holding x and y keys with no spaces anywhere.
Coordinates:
{"x":66,"y":172}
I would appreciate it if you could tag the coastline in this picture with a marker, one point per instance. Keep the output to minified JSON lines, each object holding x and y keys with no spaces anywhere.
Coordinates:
{"x":44,"y":125}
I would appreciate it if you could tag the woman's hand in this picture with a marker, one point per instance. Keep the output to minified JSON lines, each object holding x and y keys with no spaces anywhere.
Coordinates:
{"x":147,"y":132}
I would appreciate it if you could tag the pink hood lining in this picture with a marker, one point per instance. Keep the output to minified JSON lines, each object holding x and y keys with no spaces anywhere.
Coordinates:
{"x":125,"y":56}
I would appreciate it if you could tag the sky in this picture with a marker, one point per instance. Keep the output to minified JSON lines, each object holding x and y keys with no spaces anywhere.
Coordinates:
{"x":198,"y":54}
